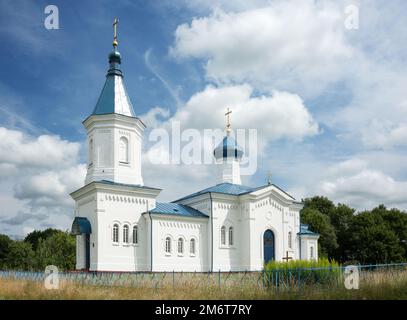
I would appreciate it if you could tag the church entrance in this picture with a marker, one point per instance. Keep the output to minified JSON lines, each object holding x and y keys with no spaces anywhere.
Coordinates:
{"x":81,"y":227}
{"x":268,"y":242}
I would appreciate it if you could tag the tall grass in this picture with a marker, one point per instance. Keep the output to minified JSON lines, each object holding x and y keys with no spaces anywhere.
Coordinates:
{"x":374,"y":285}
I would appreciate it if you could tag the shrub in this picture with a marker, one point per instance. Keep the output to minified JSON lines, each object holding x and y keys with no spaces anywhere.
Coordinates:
{"x":297,"y":272}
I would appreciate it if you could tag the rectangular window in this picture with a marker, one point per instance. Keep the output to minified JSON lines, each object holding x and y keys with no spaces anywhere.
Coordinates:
{"x":192,"y":246}
{"x":223,"y":235}
{"x":135,"y":235}
{"x":180,"y":246}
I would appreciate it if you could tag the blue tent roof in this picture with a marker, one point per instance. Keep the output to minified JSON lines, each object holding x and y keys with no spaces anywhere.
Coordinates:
{"x":114,"y":97}
{"x":177,"y":210}
{"x":225,"y":188}
{"x":228,"y":148}
{"x":305,"y":231}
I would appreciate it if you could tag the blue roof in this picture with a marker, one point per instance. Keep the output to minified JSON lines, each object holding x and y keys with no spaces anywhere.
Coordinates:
{"x":177,"y":210}
{"x":228,"y":148}
{"x":304,"y":229}
{"x":81,"y":225}
{"x":114,"y":97}
{"x":126,"y":184}
{"x":225,"y":188}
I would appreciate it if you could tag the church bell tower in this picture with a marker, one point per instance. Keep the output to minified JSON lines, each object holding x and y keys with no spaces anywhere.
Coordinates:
{"x":114,"y":132}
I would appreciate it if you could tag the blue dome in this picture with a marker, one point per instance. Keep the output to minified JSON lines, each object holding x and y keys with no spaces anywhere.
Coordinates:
{"x":115,"y":56}
{"x":228,"y":148}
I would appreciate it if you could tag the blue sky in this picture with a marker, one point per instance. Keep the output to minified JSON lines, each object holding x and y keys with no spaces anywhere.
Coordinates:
{"x":329,"y":103}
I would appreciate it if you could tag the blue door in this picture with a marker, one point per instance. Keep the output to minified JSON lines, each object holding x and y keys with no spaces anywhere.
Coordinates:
{"x":268,"y":241}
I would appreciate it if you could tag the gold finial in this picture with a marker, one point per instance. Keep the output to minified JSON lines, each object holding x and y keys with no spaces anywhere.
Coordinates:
{"x":228,"y":126}
{"x":115,"y":23}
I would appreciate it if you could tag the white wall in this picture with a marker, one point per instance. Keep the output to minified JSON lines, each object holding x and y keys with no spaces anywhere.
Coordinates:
{"x":175,"y":228}
{"x":306,"y":243}
{"x":105,"y":131}
{"x":104,"y":208}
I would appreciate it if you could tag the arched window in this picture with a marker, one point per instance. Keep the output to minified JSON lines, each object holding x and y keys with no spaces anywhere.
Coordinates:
{"x":126,"y":234}
{"x":180,"y":246}
{"x":290,"y":240}
{"x":116,"y":233}
{"x":124,"y":150}
{"x":168,"y":245}
{"x":90,"y":156}
{"x":135,"y":234}
{"x":231,"y":236}
{"x":192,"y":246}
{"x":223,"y":235}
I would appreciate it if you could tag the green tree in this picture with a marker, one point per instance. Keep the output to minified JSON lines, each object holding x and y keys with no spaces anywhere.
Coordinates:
{"x":320,"y":223}
{"x":35,"y":236}
{"x":372,"y":240}
{"x":322,"y":204}
{"x":58,"y":250}
{"x":396,"y":220}
{"x":20,"y":256}
{"x":341,"y":219}
{"x":5,"y":243}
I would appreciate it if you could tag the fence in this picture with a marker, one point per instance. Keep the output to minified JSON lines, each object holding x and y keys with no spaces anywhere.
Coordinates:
{"x":278,"y":280}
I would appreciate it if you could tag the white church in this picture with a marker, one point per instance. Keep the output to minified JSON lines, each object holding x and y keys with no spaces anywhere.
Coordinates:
{"x":120,"y":226}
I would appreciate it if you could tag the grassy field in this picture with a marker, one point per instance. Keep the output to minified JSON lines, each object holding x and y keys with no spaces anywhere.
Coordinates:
{"x":374,"y":285}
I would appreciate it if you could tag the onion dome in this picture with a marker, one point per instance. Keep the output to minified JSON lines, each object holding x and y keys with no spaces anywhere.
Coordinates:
{"x":228,"y":148}
{"x":115,"y":60}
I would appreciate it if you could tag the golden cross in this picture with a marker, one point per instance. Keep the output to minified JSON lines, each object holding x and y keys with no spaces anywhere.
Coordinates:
{"x":115,"y":23}
{"x":228,"y":121}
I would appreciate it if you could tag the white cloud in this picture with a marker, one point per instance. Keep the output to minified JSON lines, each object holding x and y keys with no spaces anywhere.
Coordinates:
{"x":154,"y":117}
{"x":44,"y":151}
{"x":37,"y":173}
{"x":275,"y":116}
{"x":296,"y":45}
{"x":51,"y":188}
{"x":385,"y":134}
{"x":366,"y":189}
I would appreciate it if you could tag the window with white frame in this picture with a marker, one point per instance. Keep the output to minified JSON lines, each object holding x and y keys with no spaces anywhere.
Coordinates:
{"x":192,"y":245}
{"x":231,"y":236}
{"x":168,"y":245}
{"x":223,"y":235}
{"x":311,"y":252}
{"x":124,"y":150}
{"x":125,"y":234}
{"x":290,"y":240}
{"x":180,"y":246}
{"x":116,"y":233}
{"x":135,"y":234}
